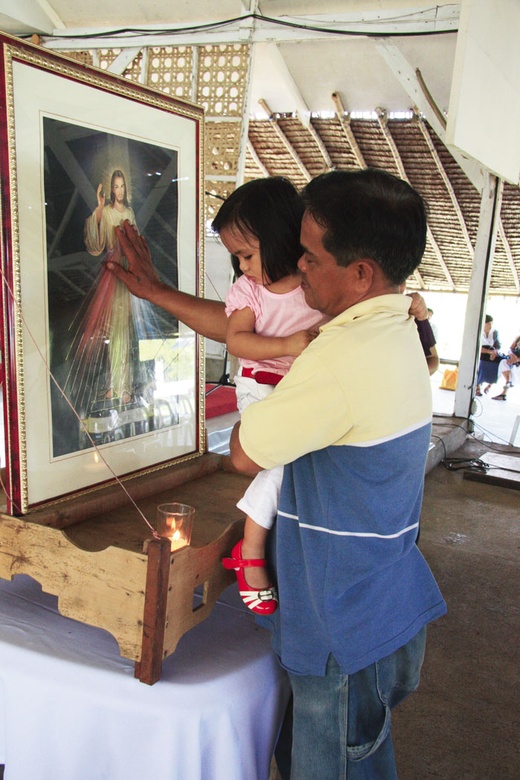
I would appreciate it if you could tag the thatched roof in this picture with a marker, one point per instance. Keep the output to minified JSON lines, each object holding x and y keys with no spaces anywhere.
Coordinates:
{"x":408,"y":147}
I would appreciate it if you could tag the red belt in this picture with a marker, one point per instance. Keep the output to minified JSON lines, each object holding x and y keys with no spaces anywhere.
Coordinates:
{"x":262,"y":377}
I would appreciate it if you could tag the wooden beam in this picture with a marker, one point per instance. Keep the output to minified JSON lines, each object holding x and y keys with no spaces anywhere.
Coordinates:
{"x":252,"y":151}
{"x":255,"y":28}
{"x":123,"y":60}
{"x":321,"y":146}
{"x":484,"y":252}
{"x":447,"y":183}
{"x":344,"y":121}
{"x":284,"y":140}
{"x":429,"y":97}
{"x":148,"y":668}
{"x":509,"y":255}
{"x":406,"y":74}
{"x":383,"y":125}
{"x":244,"y":129}
{"x":22,"y":17}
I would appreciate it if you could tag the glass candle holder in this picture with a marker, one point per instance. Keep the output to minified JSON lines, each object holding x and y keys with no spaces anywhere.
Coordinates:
{"x":175,"y":522}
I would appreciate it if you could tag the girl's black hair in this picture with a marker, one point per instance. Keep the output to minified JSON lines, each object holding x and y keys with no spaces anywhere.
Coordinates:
{"x":271,"y":210}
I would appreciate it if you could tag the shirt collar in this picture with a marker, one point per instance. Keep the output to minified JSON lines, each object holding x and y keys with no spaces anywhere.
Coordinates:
{"x":394,"y":303}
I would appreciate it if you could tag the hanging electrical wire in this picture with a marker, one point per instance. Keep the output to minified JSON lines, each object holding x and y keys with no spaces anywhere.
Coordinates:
{"x":269,"y":21}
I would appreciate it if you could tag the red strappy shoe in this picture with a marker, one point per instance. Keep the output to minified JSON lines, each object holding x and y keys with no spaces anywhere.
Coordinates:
{"x":261,"y":602}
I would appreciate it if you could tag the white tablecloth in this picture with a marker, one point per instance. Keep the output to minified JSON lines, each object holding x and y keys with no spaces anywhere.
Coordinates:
{"x":72,"y":709}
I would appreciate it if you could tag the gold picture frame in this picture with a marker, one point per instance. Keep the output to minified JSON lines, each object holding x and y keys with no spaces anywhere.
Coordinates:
{"x":91,"y":396}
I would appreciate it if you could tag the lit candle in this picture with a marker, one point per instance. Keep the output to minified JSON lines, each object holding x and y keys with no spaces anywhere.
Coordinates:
{"x":178,"y":541}
{"x":174,"y":522}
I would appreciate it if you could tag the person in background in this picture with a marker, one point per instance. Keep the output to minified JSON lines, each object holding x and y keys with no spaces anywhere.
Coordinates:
{"x":428,"y":343}
{"x":355,"y":591}
{"x":489,"y":356}
{"x":507,"y":367}
{"x":433,"y":325}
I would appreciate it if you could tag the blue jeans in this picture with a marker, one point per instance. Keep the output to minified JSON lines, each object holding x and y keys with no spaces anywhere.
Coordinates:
{"x":341,"y":723}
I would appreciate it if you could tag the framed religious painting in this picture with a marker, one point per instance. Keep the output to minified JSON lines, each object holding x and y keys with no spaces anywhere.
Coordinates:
{"x":98,"y":384}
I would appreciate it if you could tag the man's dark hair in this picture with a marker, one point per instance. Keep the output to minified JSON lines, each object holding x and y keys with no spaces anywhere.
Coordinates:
{"x":271,"y":210}
{"x":369,"y":214}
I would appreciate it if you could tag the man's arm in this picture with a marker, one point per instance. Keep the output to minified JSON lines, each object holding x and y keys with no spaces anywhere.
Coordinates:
{"x":239,"y":459}
{"x":200,"y":314}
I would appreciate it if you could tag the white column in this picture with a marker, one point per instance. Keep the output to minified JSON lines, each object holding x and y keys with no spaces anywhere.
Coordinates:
{"x":479,"y":284}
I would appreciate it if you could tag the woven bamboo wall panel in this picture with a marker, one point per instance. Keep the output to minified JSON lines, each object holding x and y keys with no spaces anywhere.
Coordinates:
{"x":222,"y":140}
{"x":106,"y":57}
{"x":222,"y":79}
{"x":85,"y":57}
{"x":216,"y":193}
{"x":133,"y":71}
{"x":170,"y":69}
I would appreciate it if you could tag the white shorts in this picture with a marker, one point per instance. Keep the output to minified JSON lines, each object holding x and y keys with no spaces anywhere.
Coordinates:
{"x":249,"y":391}
{"x":260,"y":501}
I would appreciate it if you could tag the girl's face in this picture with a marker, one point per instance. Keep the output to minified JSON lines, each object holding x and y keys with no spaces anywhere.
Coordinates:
{"x":246,"y":249}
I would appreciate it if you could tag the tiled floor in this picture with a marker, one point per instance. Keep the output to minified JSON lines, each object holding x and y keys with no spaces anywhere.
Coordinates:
{"x":493,"y":420}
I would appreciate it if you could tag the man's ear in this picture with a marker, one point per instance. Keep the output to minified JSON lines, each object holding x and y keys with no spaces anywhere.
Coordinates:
{"x":364,"y":274}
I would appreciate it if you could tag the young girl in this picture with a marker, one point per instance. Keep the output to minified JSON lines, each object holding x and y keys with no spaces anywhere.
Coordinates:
{"x":269,"y":325}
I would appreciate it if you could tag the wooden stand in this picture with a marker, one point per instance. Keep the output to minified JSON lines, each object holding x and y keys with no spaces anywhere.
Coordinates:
{"x":106,"y":571}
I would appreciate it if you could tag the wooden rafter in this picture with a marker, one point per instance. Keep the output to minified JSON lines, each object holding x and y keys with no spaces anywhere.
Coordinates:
{"x":407,"y":76}
{"x":302,"y":110}
{"x":252,"y":151}
{"x":509,"y":255}
{"x":319,"y":143}
{"x":447,"y":183}
{"x":285,"y":141}
{"x":123,"y":60}
{"x":382,"y":122}
{"x":344,"y":120}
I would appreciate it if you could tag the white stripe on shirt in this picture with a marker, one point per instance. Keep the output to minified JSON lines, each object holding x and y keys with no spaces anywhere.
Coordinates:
{"x":349,"y":533}
{"x":390,"y":437}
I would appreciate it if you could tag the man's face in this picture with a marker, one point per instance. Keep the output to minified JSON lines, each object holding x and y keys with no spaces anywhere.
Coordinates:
{"x":328,"y":287}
